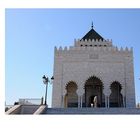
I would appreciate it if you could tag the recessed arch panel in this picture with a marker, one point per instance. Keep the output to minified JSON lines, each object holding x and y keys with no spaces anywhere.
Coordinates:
{"x":116,"y":99}
{"x":71,"y":98}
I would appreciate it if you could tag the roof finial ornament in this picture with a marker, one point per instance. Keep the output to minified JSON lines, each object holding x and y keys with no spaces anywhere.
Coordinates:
{"x":92,"y":25}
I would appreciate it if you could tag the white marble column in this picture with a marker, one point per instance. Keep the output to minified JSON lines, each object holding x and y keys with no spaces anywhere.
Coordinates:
{"x":63,"y":97}
{"x":106,"y":105}
{"x":124,"y":103}
{"x":79,"y":101}
{"x":108,"y":102}
{"x":62,"y":101}
{"x":107,"y":94}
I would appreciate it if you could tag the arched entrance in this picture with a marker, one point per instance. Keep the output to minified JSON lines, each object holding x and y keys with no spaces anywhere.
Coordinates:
{"x":71,"y":98}
{"x":93,"y":87}
{"x":116,"y":99}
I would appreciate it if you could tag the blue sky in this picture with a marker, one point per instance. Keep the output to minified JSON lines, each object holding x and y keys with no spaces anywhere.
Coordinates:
{"x":31,"y":35}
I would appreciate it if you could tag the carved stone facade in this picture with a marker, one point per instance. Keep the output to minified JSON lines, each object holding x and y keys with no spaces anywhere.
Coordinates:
{"x":93,"y":67}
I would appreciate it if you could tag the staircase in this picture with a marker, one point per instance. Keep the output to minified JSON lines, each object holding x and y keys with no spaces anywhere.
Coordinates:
{"x":36,"y":109}
{"x":23,"y":109}
{"x":92,"y":111}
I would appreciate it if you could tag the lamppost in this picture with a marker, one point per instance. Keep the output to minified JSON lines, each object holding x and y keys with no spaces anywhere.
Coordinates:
{"x":46,"y":81}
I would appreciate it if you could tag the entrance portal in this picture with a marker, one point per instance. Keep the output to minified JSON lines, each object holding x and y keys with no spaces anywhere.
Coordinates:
{"x":93,"y":87}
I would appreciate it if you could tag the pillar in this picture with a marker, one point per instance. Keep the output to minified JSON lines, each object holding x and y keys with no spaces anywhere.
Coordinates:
{"x":123,"y":93}
{"x":62,"y":101}
{"x":106,"y":92}
{"x":79,"y":102}
{"x":108,"y":102}
{"x":124,"y":101}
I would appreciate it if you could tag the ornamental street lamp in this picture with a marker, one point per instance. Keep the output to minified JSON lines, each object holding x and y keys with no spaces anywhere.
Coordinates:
{"x":46,"y":81}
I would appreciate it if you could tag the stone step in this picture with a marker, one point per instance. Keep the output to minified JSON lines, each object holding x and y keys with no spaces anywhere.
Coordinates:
{"x":92,"y":111}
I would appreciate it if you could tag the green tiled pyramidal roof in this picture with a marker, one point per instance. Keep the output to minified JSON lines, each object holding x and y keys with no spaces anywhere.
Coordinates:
{"x":92,"y":34}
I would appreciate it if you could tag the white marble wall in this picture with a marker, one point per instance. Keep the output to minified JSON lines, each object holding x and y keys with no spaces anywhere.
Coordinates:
{"x":79,"y":63}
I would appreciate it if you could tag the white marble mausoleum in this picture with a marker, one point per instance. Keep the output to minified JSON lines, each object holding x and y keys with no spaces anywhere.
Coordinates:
{"x":93,"y":67}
